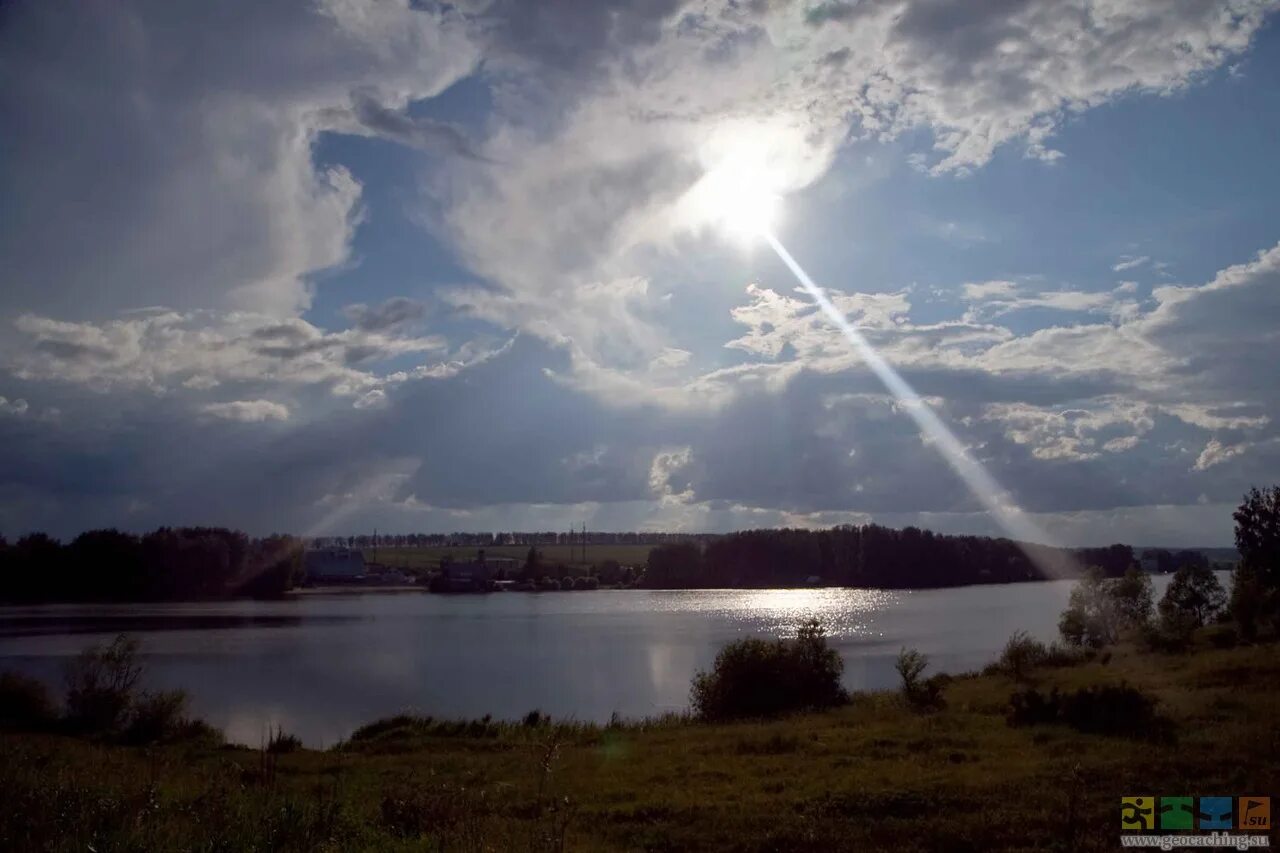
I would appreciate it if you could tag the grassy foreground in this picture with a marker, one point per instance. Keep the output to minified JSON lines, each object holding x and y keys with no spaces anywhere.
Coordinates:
{"x":871,"y":775}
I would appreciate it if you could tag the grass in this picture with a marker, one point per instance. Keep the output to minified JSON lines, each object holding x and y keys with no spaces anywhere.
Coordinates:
{"x":571,"y":555}
{"x":870,"y":775}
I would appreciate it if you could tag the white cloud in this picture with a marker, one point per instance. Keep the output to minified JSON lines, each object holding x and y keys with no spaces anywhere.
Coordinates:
{"x":13,"y":407}
{"x":990,"y":289}
{"x":668,"y":476}
{"x":213,"y":197}
{"x":584,"y":187}
{"x":247,"y":411}
{"x":202,"y":350}
{"x":1215,"y":453}
{"x":1128,"y":262}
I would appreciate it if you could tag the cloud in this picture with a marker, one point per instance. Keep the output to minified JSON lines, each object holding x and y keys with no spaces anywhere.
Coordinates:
{"x":391,"y":314}
{"x":248,"y":411}
{"x":1215,"y":453}
{"x":13,"y":407}
{"x":989,"y":289}
{"x":1128,"y":262}
{"x":162,"y":351}
{"x":582,"y":335}
{"x":213,"y":197}
{"x":587,"y":180}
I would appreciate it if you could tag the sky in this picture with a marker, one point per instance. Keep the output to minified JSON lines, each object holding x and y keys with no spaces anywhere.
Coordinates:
{"x":321,"y":266}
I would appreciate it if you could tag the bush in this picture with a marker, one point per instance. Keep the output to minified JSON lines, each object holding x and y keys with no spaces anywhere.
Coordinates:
{"x":157,"y":716}
{"x":1022,"y":653}
{"x":279,"y":742}
{"x":923,"y":694}
{"x":1223,"y":636}
{"x":25,"y":703}
{"x":759,"y":678}
{"x":100,"y":684}
{"x":566,"y":582}
{"x":1118,"y":710}
{"x":1173,"y":632}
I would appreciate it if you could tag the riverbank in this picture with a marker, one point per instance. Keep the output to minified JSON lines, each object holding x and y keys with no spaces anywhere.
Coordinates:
{"x":872,"y":775}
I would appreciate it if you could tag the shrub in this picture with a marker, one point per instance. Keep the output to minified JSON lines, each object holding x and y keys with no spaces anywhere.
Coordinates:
{"x":759,"y":678}
{"x":100,"y":684}
{"x":279,"y":742}
{"x":1172,"y":632}
{"x":1223,"y":636}
{"x":910,"y":665}
{"x":923,"y":694}
{"x":157,"y":716}
{"x":1022,"y":653}
{"x":1118,"y":710}
{"x":566,"y":582}
{"x":25,"y":703}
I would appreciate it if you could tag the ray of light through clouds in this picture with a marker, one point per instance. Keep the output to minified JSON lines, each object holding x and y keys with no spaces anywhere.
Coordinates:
{"x":436,"y":266}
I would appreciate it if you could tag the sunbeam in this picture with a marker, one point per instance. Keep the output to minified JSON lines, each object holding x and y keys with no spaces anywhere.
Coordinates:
{"x":993,"y":497}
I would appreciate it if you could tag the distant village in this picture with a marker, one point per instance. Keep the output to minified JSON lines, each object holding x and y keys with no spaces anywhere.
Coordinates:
{"x":339,"y":565}
{"x":578,"y":560}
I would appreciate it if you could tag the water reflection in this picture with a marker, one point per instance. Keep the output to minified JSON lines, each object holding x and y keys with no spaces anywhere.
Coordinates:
{"x":322,"y":665}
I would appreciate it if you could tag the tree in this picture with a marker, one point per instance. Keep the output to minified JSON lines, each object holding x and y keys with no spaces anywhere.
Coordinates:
{"x":1133,"y":597}
{"x":1247,"y":604}
{"x":1194,"y":594}
{"x":1258,"y":541}
{"x":533,"y":564}
{"x":1092,"y":617}
{"x":100,"y":685}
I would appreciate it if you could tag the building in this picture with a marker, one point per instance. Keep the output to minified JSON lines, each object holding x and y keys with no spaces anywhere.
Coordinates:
{"x":476,"y":575}
{"x":333,"y":565}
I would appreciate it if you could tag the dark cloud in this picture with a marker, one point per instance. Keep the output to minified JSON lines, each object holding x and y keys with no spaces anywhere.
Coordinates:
{"x":415,"y":132}
{"x":395,"y":313}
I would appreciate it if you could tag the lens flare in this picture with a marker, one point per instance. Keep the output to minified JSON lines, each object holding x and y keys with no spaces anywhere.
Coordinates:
{"x":993,"y":497}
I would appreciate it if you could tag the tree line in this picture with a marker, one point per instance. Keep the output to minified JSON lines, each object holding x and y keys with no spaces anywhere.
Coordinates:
{"x":167,"y":564}
{"x":867,"y":556}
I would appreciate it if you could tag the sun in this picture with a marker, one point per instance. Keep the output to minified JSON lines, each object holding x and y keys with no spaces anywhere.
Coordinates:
{"x":741,"y":200}
{"x":740,"y":193}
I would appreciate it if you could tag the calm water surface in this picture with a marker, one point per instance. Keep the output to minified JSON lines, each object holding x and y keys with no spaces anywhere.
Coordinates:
{"x":321,"y":665}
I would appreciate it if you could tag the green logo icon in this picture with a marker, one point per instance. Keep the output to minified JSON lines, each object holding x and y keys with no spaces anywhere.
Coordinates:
{"x":1177,"y":813}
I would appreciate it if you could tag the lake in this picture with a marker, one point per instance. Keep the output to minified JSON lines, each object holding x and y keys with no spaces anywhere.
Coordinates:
{"x":322,"y":664}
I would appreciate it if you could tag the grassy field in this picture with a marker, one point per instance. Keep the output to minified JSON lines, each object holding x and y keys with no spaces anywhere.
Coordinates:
{"x":429,"y":558}
{"x":872,"y":775}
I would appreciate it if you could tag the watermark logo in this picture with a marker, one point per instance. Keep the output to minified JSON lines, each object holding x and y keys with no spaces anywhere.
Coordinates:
{"x":1216,"y":813}
{"x":1168,"y":823}
{"x":1137,"y":812}
{"x":1255,"y":813}
{"x":1177,"y":813}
